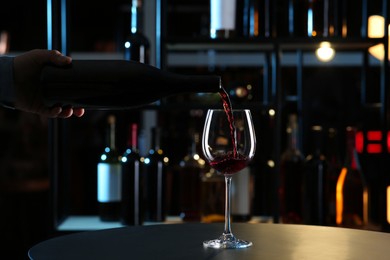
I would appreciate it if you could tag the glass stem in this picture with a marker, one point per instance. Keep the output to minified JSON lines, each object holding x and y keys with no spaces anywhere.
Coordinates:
{"x":228,"y":182}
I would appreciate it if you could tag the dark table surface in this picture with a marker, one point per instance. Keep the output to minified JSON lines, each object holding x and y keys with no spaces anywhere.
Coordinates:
{"x":184,"y":241}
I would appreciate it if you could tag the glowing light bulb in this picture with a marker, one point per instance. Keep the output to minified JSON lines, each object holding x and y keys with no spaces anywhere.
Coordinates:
{"x":325,"y":52}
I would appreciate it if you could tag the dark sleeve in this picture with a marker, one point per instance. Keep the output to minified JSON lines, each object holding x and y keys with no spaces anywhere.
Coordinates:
{"x":7,"y":92}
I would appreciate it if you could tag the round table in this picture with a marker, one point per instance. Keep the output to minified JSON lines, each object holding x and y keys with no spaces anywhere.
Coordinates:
{"x":184,"y":241}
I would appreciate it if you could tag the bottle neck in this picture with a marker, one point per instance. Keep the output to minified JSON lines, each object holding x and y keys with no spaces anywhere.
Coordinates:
{"x":351,"y":153}
{"x":132,"y":141}
{"x":111,"y":132}
{"x":194,"y":144}
{"x":136,"y":17}
{"x":156,"y":139}
{"x":316,"y":140}
{"x":332,"y":152}
{"x":292,"y":138}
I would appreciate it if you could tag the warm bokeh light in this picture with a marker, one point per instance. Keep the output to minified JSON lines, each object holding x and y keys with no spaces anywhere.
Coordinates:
{"x":325,"y":52}
{"x":339,"y":196}
{"x":388,"y":204}
{"x":376,"y":29}
{"x":3,"y":42}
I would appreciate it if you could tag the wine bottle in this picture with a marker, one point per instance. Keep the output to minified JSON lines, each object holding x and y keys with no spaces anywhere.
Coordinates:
{"x":242,"y":194}
{"x":109,"y":178}
{"x":292,"y":163}
{"x":212,"y":203}
{"x":351,"y":188}
{"x":132,"y":190}
{"x":250,"y":18}
{"x":222,"y":18}
{"x":154,"y":171}
{"x":334,"y":168}
{"x":315,"y":177}
{"x":191,"y":167}
{"x":117,"y":84}
{"x":137,"y":46}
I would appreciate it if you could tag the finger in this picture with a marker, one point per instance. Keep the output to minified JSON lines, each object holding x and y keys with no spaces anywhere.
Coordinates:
{"x":56,"y":58}
{"x":79,"y":112}
{"x":50,"y":57}
{"x":66,"y":112}
{"x":50,"y":112}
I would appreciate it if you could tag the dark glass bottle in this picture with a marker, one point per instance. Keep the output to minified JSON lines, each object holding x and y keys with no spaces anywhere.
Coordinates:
{"x":334,"y":168}
{"x":137,"y":46}
{"x":351,"y":188}
{"x":242,"y":195}
{"x":212,"y":203}
{"x":315,"y":181}
{"x":292,"y":164}
{"x":250,"y":18}
{"x":132,"y":188}
{"x":191,"y":168}
{"x":117,"y":84}
{"x":154,"y":170}
{"x":109,"y":178}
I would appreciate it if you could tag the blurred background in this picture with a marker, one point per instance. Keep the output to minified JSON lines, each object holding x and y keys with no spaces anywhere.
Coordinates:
{"x":268,"y":64}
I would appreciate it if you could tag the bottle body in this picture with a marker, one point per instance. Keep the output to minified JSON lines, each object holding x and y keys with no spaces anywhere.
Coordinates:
{"x":315,"y":181}
{"x":191,"y":169}
{"x":116,"y":84}
{"x":292,"y":166}
{"x":132,"y":182}
{"x":351,"y":189}
{"x":242,"y":193}
{"x":109,"y":178}
{"x":154,"y":171}
{"x":212,"y":203}
{"x":334,"y":168}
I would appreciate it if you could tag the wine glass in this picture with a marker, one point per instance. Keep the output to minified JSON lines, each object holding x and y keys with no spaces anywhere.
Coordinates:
{"x":229,"y":144}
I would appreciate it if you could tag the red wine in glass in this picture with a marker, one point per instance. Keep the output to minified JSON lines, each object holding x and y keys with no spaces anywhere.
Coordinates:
{"x":229,"y":164}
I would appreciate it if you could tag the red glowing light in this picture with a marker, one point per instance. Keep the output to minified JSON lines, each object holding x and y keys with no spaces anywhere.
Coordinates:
{"x":374,"y":135}
{"x":359,"y":141}
{"x":374,"y":148}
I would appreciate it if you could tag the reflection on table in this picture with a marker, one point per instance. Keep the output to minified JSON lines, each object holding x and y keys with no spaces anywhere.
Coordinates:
{"x":184,"y":241}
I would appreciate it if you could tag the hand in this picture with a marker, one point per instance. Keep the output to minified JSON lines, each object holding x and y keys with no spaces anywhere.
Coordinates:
{"x":27,"y":71}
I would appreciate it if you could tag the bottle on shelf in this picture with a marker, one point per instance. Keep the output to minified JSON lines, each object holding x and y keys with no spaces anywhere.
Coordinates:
{"x":242,"y":195}
{"x":291,"y":176}
{"x":154,"y":167}
{"x":351,"y":188}
{"x":212,"y":203}
{"x":117,"y":84}
{"x":137,"y":46}
{"x":109,"y":177}
{"x":250,"y":18}
{"x":132,"y":185}
{"x":222,"y":18}
{"x":191,"y":168}
{"x":334,"y":168}
{"x":315,"y":181}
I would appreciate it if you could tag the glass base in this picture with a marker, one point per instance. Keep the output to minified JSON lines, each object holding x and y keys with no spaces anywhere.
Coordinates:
{"x":227,"y":241}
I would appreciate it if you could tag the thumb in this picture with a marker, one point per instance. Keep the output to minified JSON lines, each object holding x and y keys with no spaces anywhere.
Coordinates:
{"x":49,"y":57}
{"x":57,"y":58}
